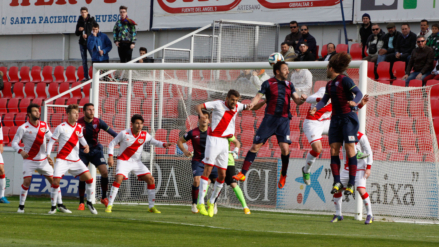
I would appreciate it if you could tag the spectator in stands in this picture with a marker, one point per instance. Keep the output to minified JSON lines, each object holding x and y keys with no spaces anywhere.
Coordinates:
{"x":330,"y":47}
{"x":433,"y":40}
{"x":305,"y":54}
{"x":302,"y":81}
{"x":293,"y":38}
{"x":365,"y":31}
{"x":308,"y":39}
{"x":421,"y":62}
{"x":244,"y":76}
{"x":99,"y":45}
{"x":425,"y":31}
{"x":404,"y":47}
{"x":389,"y":42}
{"x":143,"y":51}
{"x":124,"y":35}
{"x":84,"y":28}
{"x":287,"y":52}
{"x":374,"y":43}
{"x":258,"y":77}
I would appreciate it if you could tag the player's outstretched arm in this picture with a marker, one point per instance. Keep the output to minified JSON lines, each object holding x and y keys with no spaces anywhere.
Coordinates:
{"x":255,"y":101}
{"x":199,"y":108}
{"x":299,"y":99}
{"x":364,"y":101}
{"x":182,"y":148}
{"x":259,"y":105}
{"x":104,"y":126}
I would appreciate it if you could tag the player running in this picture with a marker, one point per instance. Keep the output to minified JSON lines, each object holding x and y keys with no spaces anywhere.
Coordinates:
{"x":278,"y":92}
{"x":131,"y":143}
{"x":34,"y":135}
{"x":315,"y":126}
{"x":198,"y":136}
{"x":216,"y":153}
{"x":344,"y":122}
{"x":2,"y":171}
{"x":69,"y":135}
{"x":91,"y":127}
{"x":363,"y":173}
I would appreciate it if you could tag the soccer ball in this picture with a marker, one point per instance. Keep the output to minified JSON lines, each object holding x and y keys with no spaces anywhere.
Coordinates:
{"x":274,"y":58}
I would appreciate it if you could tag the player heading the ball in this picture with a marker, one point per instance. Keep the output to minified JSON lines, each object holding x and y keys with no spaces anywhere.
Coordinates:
{"x":69,"y":135}
{"x":131,"y":143}
{"x":344,"y":121}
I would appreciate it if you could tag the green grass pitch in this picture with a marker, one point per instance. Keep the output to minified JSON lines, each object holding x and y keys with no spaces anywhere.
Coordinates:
{"x":177,"y":226}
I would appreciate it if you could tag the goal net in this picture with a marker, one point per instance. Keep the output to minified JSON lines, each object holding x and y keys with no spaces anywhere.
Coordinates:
{"x":397,"y":121}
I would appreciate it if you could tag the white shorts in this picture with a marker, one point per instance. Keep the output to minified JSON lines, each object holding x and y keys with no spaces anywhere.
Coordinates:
{"x":360,"y":181}
{"x":124,"y":167}
{"x":1,"y":159}
{"x":216,"y":152}
{"x":314,"y":129}
{"x":43,"y":167}
{"x":76,"y":168}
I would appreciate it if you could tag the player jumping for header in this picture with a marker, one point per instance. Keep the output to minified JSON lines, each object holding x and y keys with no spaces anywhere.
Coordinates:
{"x":344,"y":122}
{"x":131,"y":143}
{"x":278,"y":93}
{"x":216,"y":154}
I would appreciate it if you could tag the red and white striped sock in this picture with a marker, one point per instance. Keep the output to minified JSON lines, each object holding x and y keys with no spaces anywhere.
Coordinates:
{"x":203,"y":189}
{"x":113,"y":193}
{"x":2,"y":185}
{"x":54,"y":194}
{"x":366,"y":201}
{"x":337,"y":202}
{"x":216,"y":190}
{"x":151,"y":195}
{"x":310,"y":159}
{"x":23,"y":194}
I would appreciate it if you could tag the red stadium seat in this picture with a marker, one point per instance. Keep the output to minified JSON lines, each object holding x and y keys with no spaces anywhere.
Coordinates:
{"x":60,"y":101}
{"x":248,"y":123}
{"x":295,"y":124}
{"x":29,"y":89}
{"x":384,"y":82}
{"x":171,"y":107}
{"x":24,"y":103}
{"x":5,"y":131}
{"x":13,"y":74}
{"x":324,"y":50}
{"x":405,"y":125}
{"x":86,"y":90}
{"x":422,"y":125}
{"x":383,"y":71}
{"x":303,"y":109}
{"x":400,"y":108}
{"x":355,"y":51}
{"x":390,"y":142}
{"x":8,"y":119}
{"x":319,"y":84}
{"x":161,"y":135}
{"x":36,"y":74}
{"x":77,"y":93}
{"x":398,"y":69}
{"x":80,"y":73}
{"x":424,"y":143}
{"x":341,"y":48}
{"x":199,"y":94}
{"x":247,"y":138}
{"x":399,"y":83}
{"x":38,"y":101}
{"x":191,"y":122}
{"x":265,"y":151}
{"x":53,"y":89}
{"x":5,"y":73}
{"x":64,"y":86}
{"x":18,"y":90}
{"x":371,"y":70}
{"x":136,"y":103}
{"x":174,"y":135}
{"x":415,"y":83}
{"x":47,"y":74}
{"x":70,"y":74}
{"x":408,"y":142}
{"x":432,"y":82}
{"x":415,"y":157}
{"x":238,"y":126}
{"x":59,"y":74}
{"x":72,"y":101}
{"x":388,"y":125}
{"x":7,"y":90}
{"x":20,"y":118}
{"x":12,"y":131}
{"x":24,"y":74}
{"x":56,"y":119}
{"x":110,"y":105}
{"x":3,"y":106}
{"x":41,"y":90}
{"x":13,"y":105}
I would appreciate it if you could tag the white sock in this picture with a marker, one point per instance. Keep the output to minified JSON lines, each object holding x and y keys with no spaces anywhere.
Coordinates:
{"x":310,"y":159}
{"x":113,"y":193}
{"x":54,"y":195}
{"x":151,"y":195}
{"x":89,"y":189}
{"x":337,"y":202}
{"x":59,"y":197}
{"x":202,"y":190}
{"x":367,"y":205}
{"x":216,"y":190}
{"x":2,"y":187}
{"x":23,"y":194}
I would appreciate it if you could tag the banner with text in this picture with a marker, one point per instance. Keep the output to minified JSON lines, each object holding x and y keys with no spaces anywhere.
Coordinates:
{"x":396,"y":10}
{"x":61,"y":16}
{"x":197,"y":13}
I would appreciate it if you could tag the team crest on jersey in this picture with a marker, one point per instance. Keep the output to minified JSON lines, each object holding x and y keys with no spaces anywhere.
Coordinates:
{"x":336,"y":83}
{"x":95,"y":126}
{"x":140,"y":141}
{"x":77,"y":133}
{"x":43,"y":129}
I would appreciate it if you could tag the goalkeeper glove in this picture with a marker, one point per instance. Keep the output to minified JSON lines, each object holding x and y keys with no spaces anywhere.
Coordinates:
{"x":235,"y":153}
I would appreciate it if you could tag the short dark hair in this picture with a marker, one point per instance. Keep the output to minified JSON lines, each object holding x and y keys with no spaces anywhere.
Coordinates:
{"x":123,"y":7}
{"x":327,"y":46}
{"x":204,"y":111}
{"x":95,"y":25}
{"x":234,"y":93}
{"x":87,"y":105}
{"x":375,"y":24}
{"x":294,"y":22}
{"x":340,"y":62}
{"x":424,"y":20}
{"x":32,"y":105}
{"x":405,"y":23}
{"x":435,"y":25}
{"x":136,"y":117}
{"x":72,"y":107}
{"x":420,"y":36}
{"x":277,"y":66}
{"x":284,"y":43}
{"x":143,"y":49}
{"x":84,"y":8}
{"x":305,"y":26}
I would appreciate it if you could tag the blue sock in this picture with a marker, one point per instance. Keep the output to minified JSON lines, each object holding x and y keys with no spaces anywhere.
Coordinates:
{"x":335,"y":167}
{"x":248,"y":161}
{"x":352,"y":169}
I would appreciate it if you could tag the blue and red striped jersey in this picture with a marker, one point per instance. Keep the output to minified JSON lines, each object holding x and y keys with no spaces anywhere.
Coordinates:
{"x":339,"y":91}
{"x":198,"y":139}
{"x":91,"y":130}
{"x":278,"y":95}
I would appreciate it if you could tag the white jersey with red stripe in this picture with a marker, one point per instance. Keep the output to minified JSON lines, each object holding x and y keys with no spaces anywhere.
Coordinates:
{"x":363,"y":146}
{"x":68,"y":137}
{"x":34,"y":139}
{"x":131,"y":146}
{"x":325,"y":112}
{"x":223,"y":118}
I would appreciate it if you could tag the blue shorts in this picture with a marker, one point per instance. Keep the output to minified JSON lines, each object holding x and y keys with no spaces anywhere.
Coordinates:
{"x":95,"y":156}
{"x":344,"y":128}
{"x":271,"y":125}
{"x":198,"y":169}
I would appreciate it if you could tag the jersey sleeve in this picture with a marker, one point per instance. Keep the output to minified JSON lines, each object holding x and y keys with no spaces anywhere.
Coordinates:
{"x":82,"y":139}
{"x":17,"y":138}
{"x":293,"y":89}
{"x":241,"y":107}
{"x":364,"y":142}
{"x":188,"y":135}
{"x":264,"y":88}
{"x":103,"y":125}
{"x":48,"y":133}
{"x":317,"y":96}
{"x":154,"y":141}
{"x":211,"y":105}
{"x":114,"y":142}
{"x":348,"y":83}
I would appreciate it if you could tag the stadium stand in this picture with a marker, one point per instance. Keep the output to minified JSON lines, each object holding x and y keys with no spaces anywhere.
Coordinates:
{"x":47,"y":74}
{"x":29,"y":90}
{"x":18,"y":90}
{"x":59,"y":74}
{"x":355,"y":51}
{"x":341,"y":48}
{"x":36,"y":74}
{"x":24,"y":74}
{"x":13,"y":74}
